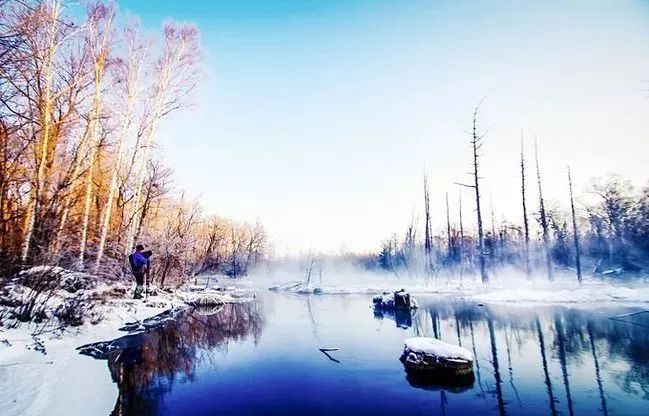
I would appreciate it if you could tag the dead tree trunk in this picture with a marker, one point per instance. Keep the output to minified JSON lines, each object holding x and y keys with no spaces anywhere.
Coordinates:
{"x":575,"y":232}
{"x":526,"y":225}
{"x":544,"y":220}
{"x":461,"y":247}
{"x":428,"y":238}
{"x":476,"y":143}
{"x":448,"y":231}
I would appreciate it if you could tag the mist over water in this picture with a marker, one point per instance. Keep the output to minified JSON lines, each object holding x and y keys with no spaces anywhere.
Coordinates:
{"x":507,"y":284}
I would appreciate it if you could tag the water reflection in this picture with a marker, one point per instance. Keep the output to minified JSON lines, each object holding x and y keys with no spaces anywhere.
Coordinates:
{"x":568,"y":343}
{"x":145,"y":366}
{"x":402,"y":317}
{"x":532,"y":361}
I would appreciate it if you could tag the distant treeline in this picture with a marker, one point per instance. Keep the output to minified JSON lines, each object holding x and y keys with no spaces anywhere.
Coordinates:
{"x":608,"y":236}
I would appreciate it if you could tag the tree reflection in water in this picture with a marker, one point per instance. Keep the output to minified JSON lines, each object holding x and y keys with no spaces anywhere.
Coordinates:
{"x":569,"y":342}
{"x":148,"y":363}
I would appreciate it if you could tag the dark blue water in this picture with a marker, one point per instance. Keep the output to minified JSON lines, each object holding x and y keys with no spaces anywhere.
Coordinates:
{"x":263,"y":358}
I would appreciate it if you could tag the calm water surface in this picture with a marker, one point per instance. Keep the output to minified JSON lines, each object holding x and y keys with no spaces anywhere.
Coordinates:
{"x":263,"y":358}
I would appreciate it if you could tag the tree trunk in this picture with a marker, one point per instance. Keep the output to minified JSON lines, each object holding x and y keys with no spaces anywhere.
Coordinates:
{"x":448,"y":231}
{"x":37,"y":195}
{"x":428,"y":238}
{"x":526,"y":226}
{"x":575,"y":231}
{"x":476,"y":143}
{"x":544,"y":221}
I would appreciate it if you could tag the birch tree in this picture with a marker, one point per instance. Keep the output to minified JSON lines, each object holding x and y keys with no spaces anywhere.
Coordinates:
{"x":176,"y":74}
{"x":99,"y":31}
{"x":128,"y":71}
{"x":45,"y":48}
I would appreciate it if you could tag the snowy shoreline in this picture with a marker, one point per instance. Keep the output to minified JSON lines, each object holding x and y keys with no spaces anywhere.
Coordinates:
{"x":533,"y":292}
{"x":45,"y":374}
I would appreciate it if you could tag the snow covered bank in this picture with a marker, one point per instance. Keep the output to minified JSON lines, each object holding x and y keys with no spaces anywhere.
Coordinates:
{"x":498,"y":291}
{"x":45,"y":374}
{"x":589,"y":292}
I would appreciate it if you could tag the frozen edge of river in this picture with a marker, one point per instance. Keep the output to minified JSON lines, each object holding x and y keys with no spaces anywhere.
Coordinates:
{"x":62,"y":381}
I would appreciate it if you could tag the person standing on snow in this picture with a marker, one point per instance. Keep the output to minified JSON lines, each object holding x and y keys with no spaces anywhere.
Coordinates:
{"x":138,"y":267}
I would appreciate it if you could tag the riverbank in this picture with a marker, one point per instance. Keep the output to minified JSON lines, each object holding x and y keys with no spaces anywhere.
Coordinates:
{"x":41,"y":371}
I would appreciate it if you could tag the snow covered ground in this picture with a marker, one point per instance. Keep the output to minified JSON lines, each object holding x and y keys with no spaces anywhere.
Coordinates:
{"x":46,"y":375}
{"x":60,"y":381}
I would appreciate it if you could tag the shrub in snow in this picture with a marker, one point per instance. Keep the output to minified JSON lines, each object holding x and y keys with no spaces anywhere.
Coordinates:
{"x":55,"y":277}
{"x":52,"y":297}
{"x":423,"y":354}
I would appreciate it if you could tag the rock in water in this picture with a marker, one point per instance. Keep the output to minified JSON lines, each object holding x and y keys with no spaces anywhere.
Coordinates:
{"x":430,"y":355}
{"x":397,"y":300}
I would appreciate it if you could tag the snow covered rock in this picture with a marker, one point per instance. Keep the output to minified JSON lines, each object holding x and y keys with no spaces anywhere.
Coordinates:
{"x":215,"y":296}
{"x":423,"y":354}
{"x":397,"y":300}
{"x":68,"y":280}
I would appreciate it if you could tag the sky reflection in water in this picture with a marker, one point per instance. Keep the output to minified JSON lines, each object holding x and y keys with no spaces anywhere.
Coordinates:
{"x":263,"y":358}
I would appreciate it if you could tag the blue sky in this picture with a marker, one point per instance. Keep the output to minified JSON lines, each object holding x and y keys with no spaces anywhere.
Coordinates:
{"x":320,"y":117}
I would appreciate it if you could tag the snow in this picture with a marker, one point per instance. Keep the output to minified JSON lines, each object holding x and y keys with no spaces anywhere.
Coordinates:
{"x":588,"y":293}
{"x":33,"y":383}
{"x":437,"y":348}
{"x":502,"y":289}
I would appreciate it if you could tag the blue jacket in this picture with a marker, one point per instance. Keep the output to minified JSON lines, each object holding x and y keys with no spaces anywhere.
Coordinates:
{"x":139,"y":261}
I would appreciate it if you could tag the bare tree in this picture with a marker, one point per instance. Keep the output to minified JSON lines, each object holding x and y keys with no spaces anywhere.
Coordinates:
{"x":428,"y":235}
{"x":543,"y":218}
{"x":575,"y":231}
{"x":526,"y":227}
{"x":476,"y":145}
{"x":176,"y":73}
{"x":128,"y":75}
{"x":99,"y":32}
{"x":45,"y":51}
{"x":448,"y":230}
{"x":461,"y":243}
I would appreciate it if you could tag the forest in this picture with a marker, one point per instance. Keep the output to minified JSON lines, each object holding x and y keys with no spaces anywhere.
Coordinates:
{"x":606,"y":237}
{"x":83,"y":97}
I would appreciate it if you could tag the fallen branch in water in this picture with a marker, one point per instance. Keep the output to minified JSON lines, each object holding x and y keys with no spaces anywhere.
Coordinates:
{"x":326,"y":351}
